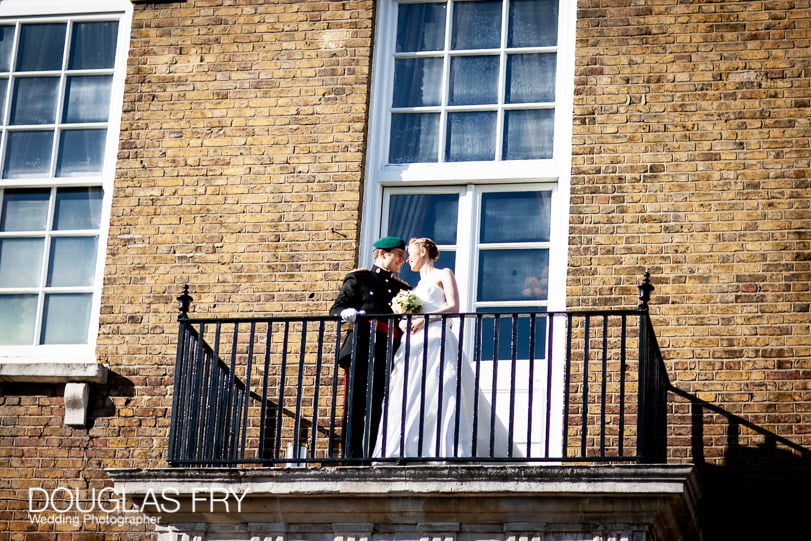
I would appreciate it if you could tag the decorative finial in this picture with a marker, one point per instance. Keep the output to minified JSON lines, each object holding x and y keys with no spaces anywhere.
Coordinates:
{"x":644,"y":292}
{"x":183,"y":302}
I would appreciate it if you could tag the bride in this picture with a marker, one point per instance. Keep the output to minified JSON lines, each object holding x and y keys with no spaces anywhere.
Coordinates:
{"x":429,"y":407}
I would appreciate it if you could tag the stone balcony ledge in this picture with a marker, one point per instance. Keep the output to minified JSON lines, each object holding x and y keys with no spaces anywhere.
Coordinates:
{"x":647,"y":502}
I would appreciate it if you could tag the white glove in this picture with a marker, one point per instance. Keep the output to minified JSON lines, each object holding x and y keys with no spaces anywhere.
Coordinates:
{"x":348,"y":315}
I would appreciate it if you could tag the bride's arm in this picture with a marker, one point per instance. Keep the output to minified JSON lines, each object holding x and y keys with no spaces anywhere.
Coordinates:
{"x":448,"y":283}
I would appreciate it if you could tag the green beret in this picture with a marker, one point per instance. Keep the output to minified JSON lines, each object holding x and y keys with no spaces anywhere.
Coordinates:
{"x":389,"y":243}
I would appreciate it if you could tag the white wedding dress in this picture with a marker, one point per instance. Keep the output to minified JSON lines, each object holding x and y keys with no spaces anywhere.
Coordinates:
{"x":414,"y":424}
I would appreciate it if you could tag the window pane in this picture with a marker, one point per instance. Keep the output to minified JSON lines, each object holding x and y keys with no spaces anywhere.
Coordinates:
{"x":25,"y":210}
{"x":34,"y":100}
{"x":65,"y":319}
{"x":28,"y":154}
{"x":476,"y":25}
{"x":87,"y":99}
{"x":533,"y":23}
{"x":471,"y":136}
{"x":473,"y":80}
{"x":528,"y":134}
{"x":78,"y":208}
{"x":20,"y":262}
{"x":510,"y":275}
{"x":92,"y":45}
{"x":417,"y":82}
{"x":503,"y":326}
{"x":430,"y":215}
{"x":72,"y":262}
{"x":420,"y":27}
{"x":6,"y":47}
{"x":3,"y":88}
{"x":81,"y":152}
{"x":414,"y":138}
{"x":515,"y":216}
{"x":42,"y":47}
{"x":530,"y":78}
{"x":17,"y":319}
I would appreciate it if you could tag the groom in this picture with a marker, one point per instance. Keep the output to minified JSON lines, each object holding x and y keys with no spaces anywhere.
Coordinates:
{"x":370,"y":292}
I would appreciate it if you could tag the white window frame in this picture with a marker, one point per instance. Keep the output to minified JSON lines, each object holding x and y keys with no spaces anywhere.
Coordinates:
{"x":73,"y":362}
{"x":555,"y":172}
{"x":467,"y":247}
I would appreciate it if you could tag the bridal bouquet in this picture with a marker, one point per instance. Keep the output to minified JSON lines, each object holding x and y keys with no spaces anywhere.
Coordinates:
{"x":406,"y":302}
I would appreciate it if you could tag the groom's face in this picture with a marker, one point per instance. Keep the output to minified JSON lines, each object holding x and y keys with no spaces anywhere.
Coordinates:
{"x":392,"y":260}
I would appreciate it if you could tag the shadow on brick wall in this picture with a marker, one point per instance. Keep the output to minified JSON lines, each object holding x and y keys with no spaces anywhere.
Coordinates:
{"x":759,"y":492}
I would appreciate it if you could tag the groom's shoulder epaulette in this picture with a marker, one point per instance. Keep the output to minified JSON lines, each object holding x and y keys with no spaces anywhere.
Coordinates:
{"x":401,"y":281}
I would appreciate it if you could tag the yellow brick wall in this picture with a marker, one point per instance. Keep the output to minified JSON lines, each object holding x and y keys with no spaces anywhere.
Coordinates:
{"x":692,"y":161}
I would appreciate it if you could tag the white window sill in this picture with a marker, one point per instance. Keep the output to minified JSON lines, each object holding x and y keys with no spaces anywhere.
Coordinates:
{"x":51,"y":365}
{"x":77,"y":377}
{"x":50,"y":372}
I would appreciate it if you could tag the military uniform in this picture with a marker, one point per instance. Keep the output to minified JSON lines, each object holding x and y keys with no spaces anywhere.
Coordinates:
{"x":370,"y":291}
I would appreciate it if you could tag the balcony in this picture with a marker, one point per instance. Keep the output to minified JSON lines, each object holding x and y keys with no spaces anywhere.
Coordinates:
{"x":567,"y":417}
{"x":557,"y":387}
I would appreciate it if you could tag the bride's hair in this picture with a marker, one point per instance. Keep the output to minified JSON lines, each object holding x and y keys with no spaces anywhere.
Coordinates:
{"x":429,"y":245}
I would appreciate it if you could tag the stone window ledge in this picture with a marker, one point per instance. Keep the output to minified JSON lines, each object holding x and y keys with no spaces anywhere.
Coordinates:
{"x":52,"y":372}
{"x":77,"y":377}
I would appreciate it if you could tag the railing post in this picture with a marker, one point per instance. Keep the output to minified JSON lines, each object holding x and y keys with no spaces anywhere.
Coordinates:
{"x":176,"y":431}
{"x":652,"y":416}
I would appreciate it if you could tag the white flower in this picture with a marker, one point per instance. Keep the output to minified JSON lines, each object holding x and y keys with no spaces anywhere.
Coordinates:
{"x":406,"y":302}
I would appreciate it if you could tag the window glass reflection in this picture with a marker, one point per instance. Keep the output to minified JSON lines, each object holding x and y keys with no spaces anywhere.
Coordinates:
{"x":87,"y":99}
{"x":470,"y":136}
{"x":530,"y":78}
{"x":424,"y":215}
{"x":3,"y":88}
{"x":81,"y":152}
{"x":417,"y":82}
{"x":20,"y":262}
{"x":414,"y":138}
{"x":17,"y":319}
{"x":72,"y":261}
{"x":476,"y":25}
{"x":24,"y":210}
{"x":515,"y":216}
{"x":92,"y":45}
{"x":530,"y":337}
{"x":6,"y":47}
{"x":510,"y":275}
{"x":529,"y":135}
{"x":65,"y":319}
{"x":533,"y":23}
{"x":28,"y":154}
{"x":42,"y":47}
{"x":473,"y":80}
{"x":78,"y":208}
{"x":420,"y":27}
{"x":34,"y":100}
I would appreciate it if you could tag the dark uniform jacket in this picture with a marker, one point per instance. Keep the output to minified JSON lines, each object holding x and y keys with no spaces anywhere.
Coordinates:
{"x":370,"y":291}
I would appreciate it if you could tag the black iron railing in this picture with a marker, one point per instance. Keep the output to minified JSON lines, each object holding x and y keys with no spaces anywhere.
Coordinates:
{"x":579,"y":386}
